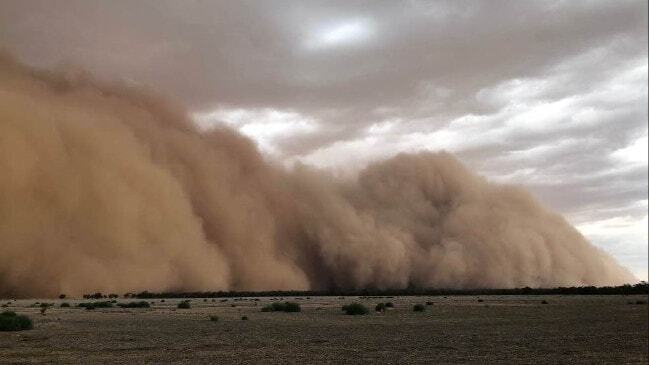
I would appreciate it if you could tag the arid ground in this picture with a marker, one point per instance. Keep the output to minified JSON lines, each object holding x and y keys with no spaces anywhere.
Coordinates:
{"x":462,"y":329}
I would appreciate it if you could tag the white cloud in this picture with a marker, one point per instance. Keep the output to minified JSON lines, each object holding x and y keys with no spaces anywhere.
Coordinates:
{"x":264,"y":126}
{"x":340,"y":34}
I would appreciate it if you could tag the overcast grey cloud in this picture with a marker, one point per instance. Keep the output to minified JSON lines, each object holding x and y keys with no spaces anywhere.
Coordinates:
{"x":551,"y":95}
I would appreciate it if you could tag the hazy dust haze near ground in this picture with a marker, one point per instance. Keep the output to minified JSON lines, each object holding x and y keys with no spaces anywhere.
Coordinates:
{"x":105,"y":188}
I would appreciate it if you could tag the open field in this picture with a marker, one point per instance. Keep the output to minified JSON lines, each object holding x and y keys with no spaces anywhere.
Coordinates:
{"x":460,"y":329}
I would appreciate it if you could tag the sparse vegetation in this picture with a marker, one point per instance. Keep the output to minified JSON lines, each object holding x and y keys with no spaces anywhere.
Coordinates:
{"x":184,"y":305}
{"x":140,"y":304}
{"x":10,"y":321}
{"x":418,"y":308}
{"x":355,"y":309}
{"x":461,"y":324}
{"x":44,"y":307}
{"x":282,"y":307}
{"x":93,"y":296}
{"x":93,"y":305}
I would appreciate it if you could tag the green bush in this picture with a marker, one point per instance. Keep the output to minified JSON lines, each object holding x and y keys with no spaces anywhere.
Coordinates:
{"x":418,"y":308}
{"x":184,"y":305}
{"x":140,"y":304}
{"x":355,"y":309}
{"x":292,"y":307}
{"x":93,"y":305}
{"x":282,"y":307}
{"x":10,"y":321}
{"x":65,"y":305}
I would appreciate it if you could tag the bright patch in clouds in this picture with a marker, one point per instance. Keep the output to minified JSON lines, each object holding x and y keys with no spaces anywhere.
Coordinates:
{"x":635,"y":153}
{"x":340,"y":34}
{"x":624,"y":237}
{"x":264,"y":126}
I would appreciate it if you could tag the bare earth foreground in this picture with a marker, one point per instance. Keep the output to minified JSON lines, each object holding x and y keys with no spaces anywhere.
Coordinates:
{"x":496,"y":329}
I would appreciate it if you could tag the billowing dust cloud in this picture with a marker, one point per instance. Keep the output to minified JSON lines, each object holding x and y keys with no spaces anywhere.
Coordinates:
{"x":104,"y":188}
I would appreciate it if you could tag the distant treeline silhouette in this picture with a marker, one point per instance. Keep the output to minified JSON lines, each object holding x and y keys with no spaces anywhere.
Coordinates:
{"x":640,"y":288}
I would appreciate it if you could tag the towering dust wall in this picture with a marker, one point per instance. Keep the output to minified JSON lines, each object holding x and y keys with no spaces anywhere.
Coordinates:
{"x":111,"y":189}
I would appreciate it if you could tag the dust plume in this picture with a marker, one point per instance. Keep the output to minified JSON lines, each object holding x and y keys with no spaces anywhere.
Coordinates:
{"x":106,"y":188}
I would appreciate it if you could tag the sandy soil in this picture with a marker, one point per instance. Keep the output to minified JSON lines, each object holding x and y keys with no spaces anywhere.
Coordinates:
{"x":507,"y":329}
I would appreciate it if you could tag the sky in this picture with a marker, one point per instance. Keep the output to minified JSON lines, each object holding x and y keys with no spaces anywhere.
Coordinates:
{"x":550,"y":95}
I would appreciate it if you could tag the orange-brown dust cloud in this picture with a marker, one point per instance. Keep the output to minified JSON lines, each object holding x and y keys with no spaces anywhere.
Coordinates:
{"x":105,"y":188}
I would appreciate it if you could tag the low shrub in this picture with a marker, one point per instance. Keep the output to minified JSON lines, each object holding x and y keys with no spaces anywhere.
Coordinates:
{"x":214,"y":318}
{"x":244,"y":318}
{"x":65,"y":305}
{"x":380,"y":307}
{"x":480,"y":300}
{"x":282,"y":307}
{"x":292,"y":307}
{"x":93,"y":305}
{"x":10,"y":321}
{"x":140,"y":304}
{"x":544,"y":302}
{"x":62,"y":296}
{"x":93,"y":296}
{"x":640,"y":302}
{"x":429,"y":303}
{"x":418,"y":308}
{"x":184,"y":305}
{"x":389,"y":305}
{"x":354,"y":309}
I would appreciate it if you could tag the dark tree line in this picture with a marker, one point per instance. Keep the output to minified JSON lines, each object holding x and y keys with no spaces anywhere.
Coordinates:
{"x":640,"y":288}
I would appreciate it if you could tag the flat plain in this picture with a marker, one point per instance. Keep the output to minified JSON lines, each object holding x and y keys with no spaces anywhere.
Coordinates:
{"x":453,"y":329}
